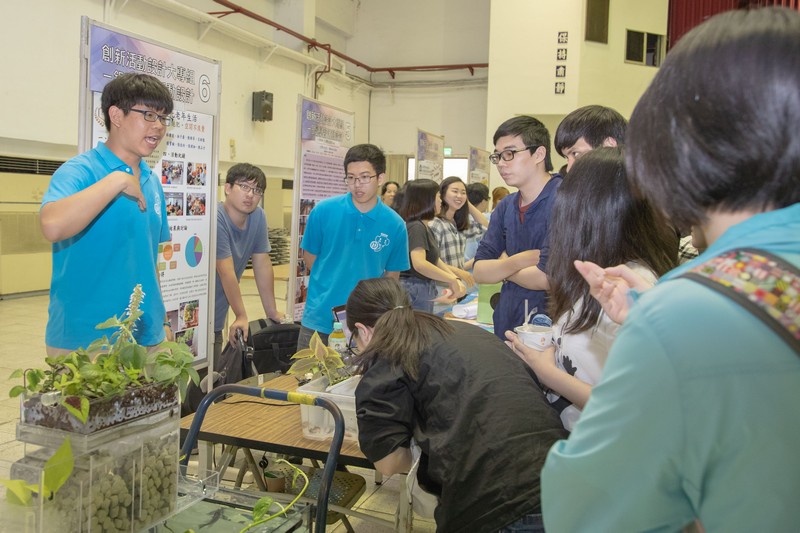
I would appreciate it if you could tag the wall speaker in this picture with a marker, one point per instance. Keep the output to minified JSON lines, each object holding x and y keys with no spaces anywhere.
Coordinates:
{"x":262,"y":106}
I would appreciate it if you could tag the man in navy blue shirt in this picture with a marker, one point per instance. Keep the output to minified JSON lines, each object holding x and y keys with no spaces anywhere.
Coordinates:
{"x":517,"y":236}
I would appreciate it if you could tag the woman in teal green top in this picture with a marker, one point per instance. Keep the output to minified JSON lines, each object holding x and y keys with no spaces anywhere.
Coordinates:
{"x":695,"y":419}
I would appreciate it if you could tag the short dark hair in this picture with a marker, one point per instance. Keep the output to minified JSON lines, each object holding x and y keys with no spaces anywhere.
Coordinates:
{"x":369,"y":153}
{"x":477,"y":192}
{"x":418,"y":200}
{"x":597,"y":217}
{"x":385,"y":186}
{"x":400,"y":333}
{"x":128,"y":90}
{"x":245,"y":172}
{"x":532,"y":131}
{"x":461,"y":216}
{"x":716,"y":130}
{"x":595,"y":123}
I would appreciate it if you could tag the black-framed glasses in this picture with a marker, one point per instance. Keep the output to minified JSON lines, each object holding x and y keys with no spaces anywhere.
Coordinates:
{"x":363,"y":180}
{"x":507,"y":155}
{"x":352,"y":347}
{"x":152,"y":116}
{"x":247,"y":188}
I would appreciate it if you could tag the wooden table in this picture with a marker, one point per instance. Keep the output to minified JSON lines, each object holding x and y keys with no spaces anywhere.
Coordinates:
{"x":268,"y":425}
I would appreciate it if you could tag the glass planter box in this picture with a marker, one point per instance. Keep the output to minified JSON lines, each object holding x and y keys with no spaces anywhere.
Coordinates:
{"x":45,"y":409}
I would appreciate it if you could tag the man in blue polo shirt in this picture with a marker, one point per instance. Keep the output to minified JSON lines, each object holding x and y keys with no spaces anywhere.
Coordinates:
{"x":348,"y":238}
{"x":105,"y":214}
{"x":515,"y":247}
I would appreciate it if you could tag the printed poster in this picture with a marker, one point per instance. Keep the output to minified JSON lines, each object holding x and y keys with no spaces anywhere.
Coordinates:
{"x":185,"y":162}
{"x":326,"y":133}
{"x":430,"y":156}
{"x":479,"y":166}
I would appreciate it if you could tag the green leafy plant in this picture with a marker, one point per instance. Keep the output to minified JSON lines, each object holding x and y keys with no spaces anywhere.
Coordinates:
{"x":108,"y":366}
{"x":263,"y":505}
{"x":319,"y":360}
{"x":57,"y":470}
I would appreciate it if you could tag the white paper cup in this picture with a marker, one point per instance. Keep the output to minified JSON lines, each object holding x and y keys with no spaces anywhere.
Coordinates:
{"x":538,"y":337}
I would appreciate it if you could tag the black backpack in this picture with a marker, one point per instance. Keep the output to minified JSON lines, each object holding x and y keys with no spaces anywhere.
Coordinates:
{"x":273,"y":345}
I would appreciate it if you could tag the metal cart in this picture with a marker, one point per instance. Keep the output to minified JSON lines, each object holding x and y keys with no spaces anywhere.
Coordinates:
{"x":326,"y":479}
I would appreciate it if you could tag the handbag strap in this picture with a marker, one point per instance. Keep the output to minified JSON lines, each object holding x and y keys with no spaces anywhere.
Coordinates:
{"x":762,"y":283}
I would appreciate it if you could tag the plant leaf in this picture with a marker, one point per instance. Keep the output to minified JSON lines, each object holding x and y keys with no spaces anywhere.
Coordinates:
{"x":83,"y":413}
{"x":16,"y":391}
{"x":165,"y":373}
{"x":59,"y":467}
{"x":16,"y":374}
{"x":303,"y":354}
{"x":19,"y":492}
{"x":303,"y":366}
{"x":261,"y":508}
{"x":133,"y":356}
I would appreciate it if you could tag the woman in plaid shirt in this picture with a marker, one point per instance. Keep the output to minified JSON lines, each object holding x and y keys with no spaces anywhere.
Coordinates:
{"x":457,"y":221}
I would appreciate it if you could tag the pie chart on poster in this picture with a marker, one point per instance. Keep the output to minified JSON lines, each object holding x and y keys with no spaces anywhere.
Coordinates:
{"x":194,"y":251}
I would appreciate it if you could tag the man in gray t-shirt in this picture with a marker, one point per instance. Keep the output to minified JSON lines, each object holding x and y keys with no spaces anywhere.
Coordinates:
{"x":242,"y":235}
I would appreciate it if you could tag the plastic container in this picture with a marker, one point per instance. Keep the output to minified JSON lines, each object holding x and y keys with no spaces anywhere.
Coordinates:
{"x":317,"y":422}
{"x":337,"y":339}
{"x":125,"y":484}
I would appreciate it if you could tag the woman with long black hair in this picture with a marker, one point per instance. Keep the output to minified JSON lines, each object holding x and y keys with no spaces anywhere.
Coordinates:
{"x":474,"y":409}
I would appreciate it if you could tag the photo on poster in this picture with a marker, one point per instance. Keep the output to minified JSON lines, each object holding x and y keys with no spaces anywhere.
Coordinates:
{"x":175,"y":206}
{"x":306,"y":206}
{"x":189,"y":314}
{"x":172,"y":318}
{"x":196,"y":204}
{"x":187,"y":336}
{"x":171,"y":172}
{"x":196,"y":174}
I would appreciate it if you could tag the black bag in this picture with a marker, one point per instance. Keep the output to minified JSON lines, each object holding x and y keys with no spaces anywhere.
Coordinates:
{"x":231,"y":366}
{"x":273,"y":344}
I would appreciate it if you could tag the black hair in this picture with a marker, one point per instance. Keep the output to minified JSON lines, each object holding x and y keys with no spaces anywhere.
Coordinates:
{"x":400,"y":333}
{"x":385,"y":186}
{"x":477,"y":192}
{"x":245,"y":172}
{"x":595,"y":123}
{"x":596,"y":217}
{"x":461,"y":216}
{"x":128,"y":90}
{"x":533,"y":134}
{"x":418,"y":200}
{"x":369,"y":153}
{"x":716,"y":130}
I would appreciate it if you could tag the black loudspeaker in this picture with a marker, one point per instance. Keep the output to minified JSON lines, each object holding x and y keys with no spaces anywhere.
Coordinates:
{"x":262,"y":106}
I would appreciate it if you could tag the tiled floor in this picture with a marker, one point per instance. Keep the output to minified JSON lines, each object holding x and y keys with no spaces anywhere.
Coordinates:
{"x":22,"y":323}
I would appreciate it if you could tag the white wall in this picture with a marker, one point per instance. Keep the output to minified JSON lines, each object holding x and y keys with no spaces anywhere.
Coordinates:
{"x":39,"y":95}
{"x":605,"y":77}
{"x":522,"y":74}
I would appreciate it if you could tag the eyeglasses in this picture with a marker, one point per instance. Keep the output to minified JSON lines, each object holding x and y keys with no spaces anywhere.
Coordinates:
{"x":363,"y":180}
{"x":152,"y":116}
{"x":352,"y":348}
{"x":507,"y":155}
{"x":247,"y":189}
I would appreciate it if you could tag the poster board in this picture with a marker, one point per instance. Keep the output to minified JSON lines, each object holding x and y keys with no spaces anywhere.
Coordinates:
{"x":186,"y":161}
{"x":479,"y":166}
{"x":430,"y":156}
{"x":325,"y":134}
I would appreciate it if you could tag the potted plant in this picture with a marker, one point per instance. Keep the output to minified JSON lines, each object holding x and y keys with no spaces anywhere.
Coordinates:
{"x":111,"y":381}
{"x":319,"y":360}
{"x":327,"y":376}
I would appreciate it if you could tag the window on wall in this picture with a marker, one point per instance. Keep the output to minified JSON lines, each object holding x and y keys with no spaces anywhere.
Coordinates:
{"x":644,"y":48}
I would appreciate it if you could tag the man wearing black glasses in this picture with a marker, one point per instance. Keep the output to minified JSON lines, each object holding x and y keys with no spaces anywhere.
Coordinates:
{"x":242,"y":235}
{"x":517,"y":236}
{"x":348,"y":238}
{"x":105,"y":214}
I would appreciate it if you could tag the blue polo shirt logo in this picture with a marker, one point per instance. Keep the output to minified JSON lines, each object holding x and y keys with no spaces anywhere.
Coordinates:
{"x":379,"y":242}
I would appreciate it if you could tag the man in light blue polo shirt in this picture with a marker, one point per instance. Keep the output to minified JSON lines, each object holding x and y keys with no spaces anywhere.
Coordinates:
{"x":349,"y":238}
{"x":105,"y":214}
